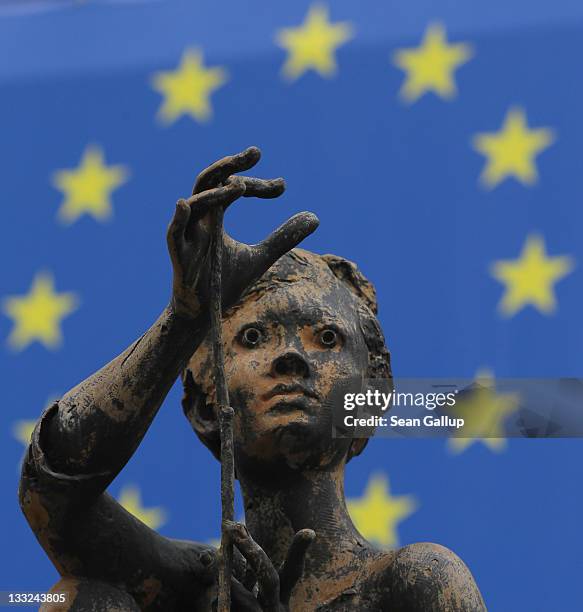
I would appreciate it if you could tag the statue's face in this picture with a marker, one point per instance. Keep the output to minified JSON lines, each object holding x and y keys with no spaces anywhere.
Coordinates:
{"x":284,"y":352}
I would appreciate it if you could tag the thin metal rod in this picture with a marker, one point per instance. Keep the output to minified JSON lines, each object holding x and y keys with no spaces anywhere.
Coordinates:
{"x":225,"y":415}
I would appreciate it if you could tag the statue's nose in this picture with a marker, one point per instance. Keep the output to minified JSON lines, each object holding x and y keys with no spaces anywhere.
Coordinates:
{"x":290,"y":364}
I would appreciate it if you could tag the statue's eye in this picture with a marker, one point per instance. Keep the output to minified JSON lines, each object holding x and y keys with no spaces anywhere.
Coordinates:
{"x":251,"y":337}
{"x":328,"y":338}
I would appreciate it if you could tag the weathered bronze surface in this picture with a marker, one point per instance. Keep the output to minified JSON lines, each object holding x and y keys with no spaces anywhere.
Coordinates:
{"x":295,"y":324}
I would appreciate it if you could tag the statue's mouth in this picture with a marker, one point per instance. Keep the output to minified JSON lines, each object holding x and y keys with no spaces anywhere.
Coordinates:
{"x":293,"y":403}
{"x":290,"y":389}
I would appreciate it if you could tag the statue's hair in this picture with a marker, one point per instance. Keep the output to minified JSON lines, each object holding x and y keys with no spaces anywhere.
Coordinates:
{"x":194,"y":399}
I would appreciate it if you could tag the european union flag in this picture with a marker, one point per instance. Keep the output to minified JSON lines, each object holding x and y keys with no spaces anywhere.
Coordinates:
{"x":440,"y":146}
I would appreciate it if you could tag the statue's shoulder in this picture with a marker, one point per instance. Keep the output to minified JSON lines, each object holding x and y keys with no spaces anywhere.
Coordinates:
{"x":426,"y":577}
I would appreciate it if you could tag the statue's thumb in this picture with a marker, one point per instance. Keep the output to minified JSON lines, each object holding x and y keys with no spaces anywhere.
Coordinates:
{"x":293,"y":566}
{"x":285,"y":238}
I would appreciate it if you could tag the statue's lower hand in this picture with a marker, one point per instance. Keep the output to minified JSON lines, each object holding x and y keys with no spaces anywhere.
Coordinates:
{"x":189,"y":235}
{"x":274,"y":587}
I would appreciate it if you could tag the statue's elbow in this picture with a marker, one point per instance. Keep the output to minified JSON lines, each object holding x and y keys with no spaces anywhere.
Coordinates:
{"x":27,"y":490}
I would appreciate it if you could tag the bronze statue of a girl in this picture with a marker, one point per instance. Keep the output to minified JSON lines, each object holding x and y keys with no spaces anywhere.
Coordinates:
{"x":295,"y":324}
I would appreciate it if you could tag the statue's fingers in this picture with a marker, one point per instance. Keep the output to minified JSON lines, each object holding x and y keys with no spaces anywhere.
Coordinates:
{"x":283,"y":239}
{"x":201,"y":203}
{"x":261,"y":188}
{"x":242,"y":600}
{"x":220,"y":171}
{"x":267,"y":576}
{"x":258,"y":188}
{"x":293,"y":566}
{"x":250,"y":579}
{"x":177,"y":228}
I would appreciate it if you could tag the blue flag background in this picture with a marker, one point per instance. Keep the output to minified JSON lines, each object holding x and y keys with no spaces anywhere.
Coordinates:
{"x":440,"y":143}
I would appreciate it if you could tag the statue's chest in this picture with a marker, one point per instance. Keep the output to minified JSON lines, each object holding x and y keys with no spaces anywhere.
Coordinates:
{"x":356,"y":597}
{"x":351,"y":602}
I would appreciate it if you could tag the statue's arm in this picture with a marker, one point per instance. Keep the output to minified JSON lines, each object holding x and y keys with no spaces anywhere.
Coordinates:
{"x":80,"y":444}
{"x":88,"y":535}
{"x":98,"y":424}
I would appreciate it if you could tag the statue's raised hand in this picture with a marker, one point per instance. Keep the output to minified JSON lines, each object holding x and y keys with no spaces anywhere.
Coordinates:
{"x":189,"y":235}
{"x":273,"y":587}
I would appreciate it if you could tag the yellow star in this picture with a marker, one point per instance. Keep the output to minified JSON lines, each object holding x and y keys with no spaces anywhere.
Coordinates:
{"x":37,"y":315}
{"x":312,"y":45}
{"x":130,"y":498}
{"x":87,"y":188}
{"x":530,"y":279}
{"x":430,"y":67}
{"x":484,"y":412}
{"x":187,"y":89}
{"x":22,"y":430}
{"x":377,"y":514}
{"x":512,"y":150}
